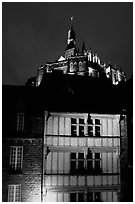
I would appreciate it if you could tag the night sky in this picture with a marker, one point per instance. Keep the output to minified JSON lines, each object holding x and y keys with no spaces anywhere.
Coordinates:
{"x":34,"y":33}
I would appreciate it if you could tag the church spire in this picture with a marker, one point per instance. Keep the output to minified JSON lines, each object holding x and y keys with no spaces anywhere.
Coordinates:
{"x":71,"y":33}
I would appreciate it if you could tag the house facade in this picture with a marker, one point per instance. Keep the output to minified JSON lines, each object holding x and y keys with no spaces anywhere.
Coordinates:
{"x":83,"y":161}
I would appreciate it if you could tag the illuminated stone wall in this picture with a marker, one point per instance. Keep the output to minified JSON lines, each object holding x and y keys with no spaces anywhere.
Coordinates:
{"x":30,"y":177}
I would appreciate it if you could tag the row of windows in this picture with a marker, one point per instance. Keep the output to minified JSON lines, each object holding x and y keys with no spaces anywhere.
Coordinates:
{"x":81,"y":163}
{"x":14,"y":195}
{"x":73,"y":66}
{"x":85,"y":197}
{"x":80,"y":128}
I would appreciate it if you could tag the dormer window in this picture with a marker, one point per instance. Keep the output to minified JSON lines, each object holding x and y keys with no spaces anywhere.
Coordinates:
{"x":20,"y":122}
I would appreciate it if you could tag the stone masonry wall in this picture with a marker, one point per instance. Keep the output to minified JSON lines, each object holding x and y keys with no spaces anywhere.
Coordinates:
{"x":30,"y":179}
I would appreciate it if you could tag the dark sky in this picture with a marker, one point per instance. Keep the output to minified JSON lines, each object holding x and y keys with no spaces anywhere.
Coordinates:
{"x":34,"y":33}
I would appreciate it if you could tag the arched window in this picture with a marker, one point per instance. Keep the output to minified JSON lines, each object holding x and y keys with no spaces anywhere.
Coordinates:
{"x":80,"y":66}
{"x":71,"y":67}
{"x":75,"y":66}
{"x":84,"y":65}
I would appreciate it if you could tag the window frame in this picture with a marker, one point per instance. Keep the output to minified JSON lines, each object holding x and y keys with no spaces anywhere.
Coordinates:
{"x":13,"y":162}
{"x":20,"y":124}
{"x":83,"y":129}
{"x":12,"y":193}
{"x":71,"y":67}
{"x":85,"y":170}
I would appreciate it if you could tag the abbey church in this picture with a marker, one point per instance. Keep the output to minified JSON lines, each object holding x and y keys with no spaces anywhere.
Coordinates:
{"x":84,"y":63}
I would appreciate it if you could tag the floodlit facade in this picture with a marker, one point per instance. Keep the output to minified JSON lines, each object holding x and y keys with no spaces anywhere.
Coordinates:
{"x":82,"y":63}
{"x":82,"y":157}
{"x":65,"y":132}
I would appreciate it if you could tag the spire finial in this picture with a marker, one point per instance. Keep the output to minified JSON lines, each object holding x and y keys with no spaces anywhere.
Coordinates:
{"x":71,"y":19}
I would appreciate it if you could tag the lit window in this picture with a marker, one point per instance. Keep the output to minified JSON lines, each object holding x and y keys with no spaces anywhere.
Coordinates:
{"x":20,"y":122}
{"x":80,"y":66}
{"x":75,"y":66}
{"x":71,"y":67}
{"x":16,"y":157}
{"x":14,"y":193}
{"x":84,"y":65}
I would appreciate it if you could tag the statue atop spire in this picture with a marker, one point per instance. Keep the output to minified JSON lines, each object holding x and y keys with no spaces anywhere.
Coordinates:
{"x":71,"y":19}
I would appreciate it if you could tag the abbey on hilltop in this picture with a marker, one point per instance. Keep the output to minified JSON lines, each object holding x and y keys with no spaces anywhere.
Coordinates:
{"x":75,"y":62}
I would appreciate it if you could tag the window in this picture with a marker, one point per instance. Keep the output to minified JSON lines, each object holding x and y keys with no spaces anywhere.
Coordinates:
{"x":85,"y":163}
{"x":73,"y":197}
{"x":71,"y":67}
{"x":73,"y":126}
{"x":84,"y":65}
{"x":94,"y":127}
{"x":80,"y":66}
{"x":16,"y":157}
{"x":89,"y":197}
{"x":75,"y":66}
{"x":85,"y":197}
{"x":73,"y":163}
{"x":77,"y":163}
{"x":97,"y":127}
{"x":89,"y":162}
{"x":80,"y":127}
{"x":97,"y":163}
{"x":77,"y":127}
{"x":97,"y":197}
{"x":81,"y":163}
{"x":20,"y":122}
{"x":14,"y":193}
{"x":77,"y":197}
